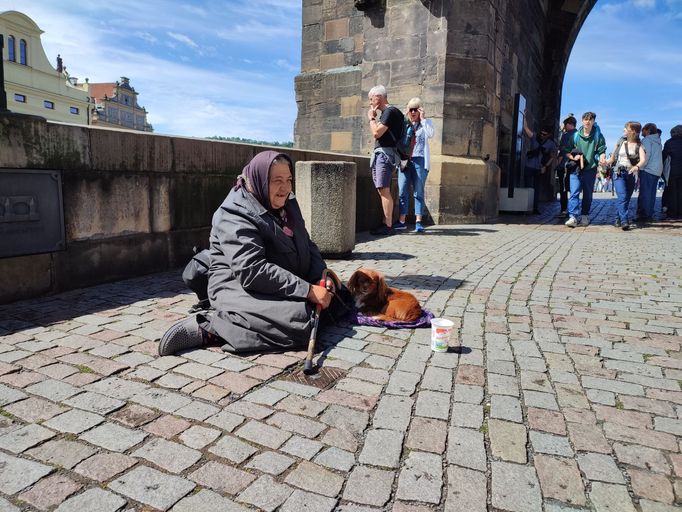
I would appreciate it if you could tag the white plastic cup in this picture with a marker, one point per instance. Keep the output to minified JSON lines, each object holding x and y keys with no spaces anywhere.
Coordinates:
{"x":441,"y":331}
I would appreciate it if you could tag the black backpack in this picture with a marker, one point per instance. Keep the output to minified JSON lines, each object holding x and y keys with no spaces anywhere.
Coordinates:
{"x":405,"y":142}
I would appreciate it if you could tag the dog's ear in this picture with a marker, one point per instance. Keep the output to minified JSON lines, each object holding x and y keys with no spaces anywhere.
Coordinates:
{"x":381,"y":286}
{"x":353,"y":281}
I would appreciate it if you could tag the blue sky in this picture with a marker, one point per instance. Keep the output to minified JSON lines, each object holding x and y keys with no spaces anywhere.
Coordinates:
{"x":227,"y":67}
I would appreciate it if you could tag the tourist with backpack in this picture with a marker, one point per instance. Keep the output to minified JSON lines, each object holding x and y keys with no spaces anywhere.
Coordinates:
{"x":587,"y":149}
{"x":626,"y":157}
{"x":413,"y":175}
{"x":652,"y":169}
{"x":386,"y":123}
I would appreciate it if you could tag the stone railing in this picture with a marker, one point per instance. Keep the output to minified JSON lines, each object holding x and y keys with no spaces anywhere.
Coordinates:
{"x":133,"y":202}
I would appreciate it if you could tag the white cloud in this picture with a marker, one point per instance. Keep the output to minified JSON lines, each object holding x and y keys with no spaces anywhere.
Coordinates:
{"x":146,"y":36}
{"x":645,"y":4}
{"x":182,"y":38}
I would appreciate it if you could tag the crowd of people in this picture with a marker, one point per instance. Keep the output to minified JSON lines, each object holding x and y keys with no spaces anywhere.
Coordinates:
{"x":638,"y":161}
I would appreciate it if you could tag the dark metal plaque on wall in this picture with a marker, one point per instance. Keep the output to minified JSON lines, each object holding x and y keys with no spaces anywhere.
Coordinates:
{"x":31,"y":212}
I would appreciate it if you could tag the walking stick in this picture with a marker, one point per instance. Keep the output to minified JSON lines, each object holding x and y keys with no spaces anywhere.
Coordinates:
{"x":308,"y":368}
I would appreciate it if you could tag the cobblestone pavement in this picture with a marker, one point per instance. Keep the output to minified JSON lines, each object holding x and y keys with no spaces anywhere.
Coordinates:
{"x":562,"y":390}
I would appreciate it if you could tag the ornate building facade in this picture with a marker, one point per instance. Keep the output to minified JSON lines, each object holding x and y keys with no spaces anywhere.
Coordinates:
{"x":115,"y":105}
{"x":32,"y":85}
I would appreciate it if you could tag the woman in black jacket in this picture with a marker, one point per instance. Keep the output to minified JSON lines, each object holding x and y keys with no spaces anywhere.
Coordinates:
{"x":673,"y":149}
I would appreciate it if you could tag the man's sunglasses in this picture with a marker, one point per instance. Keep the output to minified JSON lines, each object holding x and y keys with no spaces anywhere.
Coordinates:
{"x":414,"y":110}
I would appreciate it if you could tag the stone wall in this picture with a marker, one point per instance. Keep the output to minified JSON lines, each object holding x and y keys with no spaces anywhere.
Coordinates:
{"x":134,"y":203}
{"x":466,"y":59}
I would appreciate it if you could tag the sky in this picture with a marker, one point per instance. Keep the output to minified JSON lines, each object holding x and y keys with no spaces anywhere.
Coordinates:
{"x":227,"y":67}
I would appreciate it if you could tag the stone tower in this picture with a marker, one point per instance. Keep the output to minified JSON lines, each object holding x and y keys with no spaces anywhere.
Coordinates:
{"x":466,"y":59}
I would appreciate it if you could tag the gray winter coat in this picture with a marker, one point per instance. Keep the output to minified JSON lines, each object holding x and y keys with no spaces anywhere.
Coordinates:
{"x":259,"y":277}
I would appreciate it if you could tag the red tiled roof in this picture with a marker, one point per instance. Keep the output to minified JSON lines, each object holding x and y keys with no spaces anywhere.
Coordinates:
{"x":98,"y":91}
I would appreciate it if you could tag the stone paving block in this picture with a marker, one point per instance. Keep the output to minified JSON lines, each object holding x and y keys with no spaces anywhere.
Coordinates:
{"x":266,"y":396}
{"x":301,"y":500}
{"x":644,"y":437}
{"x":501,"y":367}
{"x":152,"y":487}
{"x":468,"y":394}
{"x":672,"y":426}
{"x":50,"y":491}
{"x":166,"y":401}
{"x":207,"y":501}
{"x":359,"y":387}
{"x":197,"y":410}
{"x":198,"y":371}
{"x":336,"y":458}
{"x":93,"y":499}
{"x":51,"y":389}
{"x":599,"y":467}
{"x":314,"y":478}
{"x":134,"y":415}
{"x":74,"y":421}
{"x":427,"y":434}
{"x":22,"y":379}
{"x":198,"y":437}
{"x":61,"y":452}
{"x":113,"y":437}
{"x":550,"y":444}
{"x":292,"y":423}
{"x":642,"y":457}
{"x":335,"y":396}
{"x":587,"y":437}
{"x":421,"y":478}
{"x":225,"y":420}
{"x":508,"y":440}
{"x":248,"y":409}
{"x":18,"y":474}
{"x":502,"y":385}
{"x":545,"y":420}
{"x":432,"y":404}
{"x":265,"y":493}
{"x":467,"y":415}
{"x":393,"y":413}
{"x":272,"y":463}
{"x":654,"y":506}
{"x":653,"y":486}
{"x":466,"y":448}
{"x":171,"y":380}
{"x":515,"y":488}
{"x":560,"y":479}
{"x":381,"y":362}
{"x":263,"y":434}
{"x":301,"y":406}
{"x":168,"y":455}
{"x":437,"y":379}
{"x":506,"y":408}
{"x":167,"y":426}
{"x":610,"y":498}
{"x":59,"y":371}
{"x":94,"y":402}
{"x":382,"y":448}
{"x":369,"y":486}
{"x":376,"y":376}
{"x":24,"y":438}
{"x":103,"y":466}
{"x":346,"y":418}
{"x":302,"y":447}
{"x":204,"y":356}
{"x":295,"y":388}
{"x":540,"y":400}
{"x":6,"y":506}
{"x":615,"y":386}
{"x":221,"y":477}
{"x":342,"y":439}
{"x":116,"y":387}
{"x":466,"y":490}
{"x":232,"y":449}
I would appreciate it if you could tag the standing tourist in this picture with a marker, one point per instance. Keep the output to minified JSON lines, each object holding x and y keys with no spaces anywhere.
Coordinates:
{"x":673,"y":150}
{"x":587,"y":147}
{"x":540,"y":157}
{"x":652,"y":170}
{"x":628,"y":155}
{"x":414,"y":175}
{"x":569,"y":130}
{"x":386,"y":125}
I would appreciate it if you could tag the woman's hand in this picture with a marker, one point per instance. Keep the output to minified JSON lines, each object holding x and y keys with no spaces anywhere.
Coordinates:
{"x":320,"y":295}
{"x":422,"y":115}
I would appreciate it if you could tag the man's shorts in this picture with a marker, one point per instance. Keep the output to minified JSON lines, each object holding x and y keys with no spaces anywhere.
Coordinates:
{"x":382,"y":170}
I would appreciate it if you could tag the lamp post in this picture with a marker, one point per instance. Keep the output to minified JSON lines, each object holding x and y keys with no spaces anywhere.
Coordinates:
{"x":3,"y":94}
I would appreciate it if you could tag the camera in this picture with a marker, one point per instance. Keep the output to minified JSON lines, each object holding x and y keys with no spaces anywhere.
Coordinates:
{"x":621,"y":170}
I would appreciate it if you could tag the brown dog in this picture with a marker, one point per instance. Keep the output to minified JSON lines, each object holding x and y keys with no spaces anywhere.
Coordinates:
{"x":373,"y":297}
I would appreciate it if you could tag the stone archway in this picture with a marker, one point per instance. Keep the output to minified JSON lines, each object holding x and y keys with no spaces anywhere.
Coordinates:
{"x":466,"y":59}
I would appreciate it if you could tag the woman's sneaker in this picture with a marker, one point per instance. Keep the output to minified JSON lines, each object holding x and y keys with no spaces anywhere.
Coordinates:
{"x":585,"y":220}
{"x":183,"y":335}
{"x":418,"y":228}
{"x":571,"y":223}
{"x":399,"y":226}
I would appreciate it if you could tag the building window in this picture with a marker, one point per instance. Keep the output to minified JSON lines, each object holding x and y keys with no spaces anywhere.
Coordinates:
{"x":48,"y":104}
{"x":74,"y":110}
{"x":20,"y":98}
{"x":11,"y":49}
{"x":22,"y":52}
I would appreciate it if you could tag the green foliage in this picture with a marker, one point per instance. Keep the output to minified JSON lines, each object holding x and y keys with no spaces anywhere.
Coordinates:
{"x":252,"y":141}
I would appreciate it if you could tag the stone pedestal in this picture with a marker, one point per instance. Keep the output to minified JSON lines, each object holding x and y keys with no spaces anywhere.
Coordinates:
{"x":326,"y":195}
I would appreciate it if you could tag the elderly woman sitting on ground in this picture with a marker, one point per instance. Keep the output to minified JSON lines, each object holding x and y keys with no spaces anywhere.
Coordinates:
{"x":263,"y":269}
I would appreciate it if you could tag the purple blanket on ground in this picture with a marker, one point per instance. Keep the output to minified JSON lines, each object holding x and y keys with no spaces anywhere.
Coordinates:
{"x":358,"y":318}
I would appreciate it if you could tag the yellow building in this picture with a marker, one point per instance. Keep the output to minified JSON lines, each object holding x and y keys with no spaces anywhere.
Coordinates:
{"x":33,"y":86}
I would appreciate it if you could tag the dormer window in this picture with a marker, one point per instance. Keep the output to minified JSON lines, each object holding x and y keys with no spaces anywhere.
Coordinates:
{"x":23,"y":58}
{"x":11,"y":49}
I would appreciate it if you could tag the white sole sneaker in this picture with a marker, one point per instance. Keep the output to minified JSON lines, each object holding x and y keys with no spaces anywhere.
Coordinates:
{"x":571,"y":223}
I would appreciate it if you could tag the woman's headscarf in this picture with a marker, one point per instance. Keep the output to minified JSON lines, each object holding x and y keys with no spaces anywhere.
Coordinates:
{"x":255,"y":174}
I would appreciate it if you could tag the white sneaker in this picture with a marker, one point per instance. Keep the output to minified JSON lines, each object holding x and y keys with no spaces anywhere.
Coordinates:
{"x":584,"y":220}
{"x":571,"y":223}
